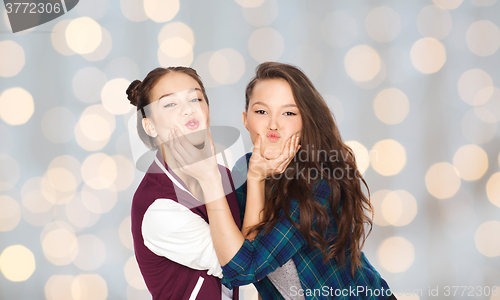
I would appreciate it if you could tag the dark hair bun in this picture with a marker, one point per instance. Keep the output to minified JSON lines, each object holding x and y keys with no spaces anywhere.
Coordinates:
{"x":133,"y":92}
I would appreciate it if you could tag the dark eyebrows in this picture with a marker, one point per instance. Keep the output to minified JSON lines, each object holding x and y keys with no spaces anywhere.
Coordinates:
{"x":170,"y":94}
{"x":262,"y":103}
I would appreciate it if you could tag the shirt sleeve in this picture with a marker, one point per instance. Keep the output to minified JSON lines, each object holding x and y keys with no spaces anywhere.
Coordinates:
{"x":171,"y":230}
{"x":265,"y":253}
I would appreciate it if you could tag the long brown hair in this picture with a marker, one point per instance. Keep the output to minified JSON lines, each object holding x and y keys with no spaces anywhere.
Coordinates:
{"x":139,"y":94}
{"x":319,"y":132}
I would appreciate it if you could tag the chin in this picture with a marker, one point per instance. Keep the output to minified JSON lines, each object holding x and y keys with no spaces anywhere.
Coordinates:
{"x":270,"y":153}
{"x":197,"y":138}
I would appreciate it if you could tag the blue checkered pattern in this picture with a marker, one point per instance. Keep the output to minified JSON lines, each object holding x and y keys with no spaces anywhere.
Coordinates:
{"x":267,"y":252}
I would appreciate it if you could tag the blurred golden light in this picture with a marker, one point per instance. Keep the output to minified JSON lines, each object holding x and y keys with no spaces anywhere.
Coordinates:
{"x":99,"y":171}
{"x":376,"y":200}
{"x":161,"y":10}
{"x":471,"y":162}
{"x":9,"y":173}
{"x":339,"y":29}
{"x":94,"y":128}
{"x":12,"y":58}
{"x":391,"y":106}
{"x":83,"y":35}
{"x":227,"y":66}
{"x":103,"y":49}
{"x":58,"y":38}
{"x":99,"y":201}
{"x":487,"y":238}
{"x":57,"y":124}
{"x":79,"y":215}
{"x":89,"y":287}
{"x":428,"y":55}
{"x":263,"y":15}
{"x":133,"y":274}
{"x":35,"y":202}
{"x":433,"y":21}
{"x":17,"y":263}
{"x":399,"y":208}
{"x":125,"y":233}
{"x":475,"y":129}
{"x":383,"y":24}
{"x":396,"y":254}
{"x":62,"y":179}
{"x":58,"y":287}
{"x":176,"y":29}
{"x":266,"y":44}
{"x":491,"y":104}
{"x":113,"y":98}
{"x":250,"y":3}
{"x":362,"y":63}
{"x":133,"y":10}
{"x":448,"y":4}
{"x":361,"y":155}
{"x":388,"y":157}
{"x":473,"y":81}
{"x":201,"y":65}
{"x":91,"y":254}
{"x":60,"y":246}
{"x":175,"y":51}
{"x":16,"y":106}
{"x":10,"y":214}
{"x":125,"y":172}
{"x":483,"y":38}
{"x":493,"y":188}
{"x":442,"y":180}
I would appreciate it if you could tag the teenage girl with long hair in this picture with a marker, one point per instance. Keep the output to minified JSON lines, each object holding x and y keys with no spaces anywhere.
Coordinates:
{"x":304,"y":221}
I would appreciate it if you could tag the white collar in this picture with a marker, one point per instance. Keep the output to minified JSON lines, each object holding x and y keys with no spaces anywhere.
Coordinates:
{"x":172,"y":178}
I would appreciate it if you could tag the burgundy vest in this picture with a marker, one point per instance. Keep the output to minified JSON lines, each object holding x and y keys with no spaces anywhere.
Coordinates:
{"x":164,"y":278}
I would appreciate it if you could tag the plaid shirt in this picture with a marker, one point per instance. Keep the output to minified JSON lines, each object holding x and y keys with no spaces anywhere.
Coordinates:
{"x":257,"y":258}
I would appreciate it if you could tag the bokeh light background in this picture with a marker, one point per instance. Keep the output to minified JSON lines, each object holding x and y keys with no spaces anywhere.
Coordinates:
{"x":414,"y":86}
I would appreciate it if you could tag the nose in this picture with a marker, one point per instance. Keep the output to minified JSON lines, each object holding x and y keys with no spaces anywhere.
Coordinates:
{"x":187,"y":109}
{"x":273,"y":123}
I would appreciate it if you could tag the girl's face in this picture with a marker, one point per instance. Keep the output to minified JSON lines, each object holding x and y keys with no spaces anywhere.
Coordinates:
{"x":273,"y":114}
{"x":177,"y":100}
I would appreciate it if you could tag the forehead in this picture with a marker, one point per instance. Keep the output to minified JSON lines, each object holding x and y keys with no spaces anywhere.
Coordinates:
{"x":272,"y":91}
{"x":173,"y":83}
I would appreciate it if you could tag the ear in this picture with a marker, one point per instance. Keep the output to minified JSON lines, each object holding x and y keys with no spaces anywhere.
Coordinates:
{"x":149,"y":128}
{"x":244,"y":118}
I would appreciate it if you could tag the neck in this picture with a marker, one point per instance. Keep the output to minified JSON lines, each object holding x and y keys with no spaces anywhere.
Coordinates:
{"x":172,"y":164}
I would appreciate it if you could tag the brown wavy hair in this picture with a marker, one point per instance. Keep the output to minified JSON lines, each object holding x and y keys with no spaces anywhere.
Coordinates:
{"x":139,"y":94}
{"x":319,"y":131}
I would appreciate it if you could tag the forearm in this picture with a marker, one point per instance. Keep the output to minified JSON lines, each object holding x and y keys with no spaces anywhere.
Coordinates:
{"x":254,"y":206}
{"x":226,"y":236}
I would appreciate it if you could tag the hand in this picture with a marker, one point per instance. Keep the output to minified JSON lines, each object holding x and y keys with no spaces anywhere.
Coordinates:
{"x":197,"y":163}
{"x":260,"y":168}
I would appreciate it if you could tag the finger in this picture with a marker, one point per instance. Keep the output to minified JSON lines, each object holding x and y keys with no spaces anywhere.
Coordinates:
{"x":208,"y":139}
{"x":175,"y":153}
{"x":183,"y":154}
{"x":182,"y":140}
{"x":256,"y":148}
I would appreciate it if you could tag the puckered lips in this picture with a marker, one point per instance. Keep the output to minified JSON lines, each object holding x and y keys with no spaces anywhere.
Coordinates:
{"x":273,"y":136}
{"x":192,"y":124}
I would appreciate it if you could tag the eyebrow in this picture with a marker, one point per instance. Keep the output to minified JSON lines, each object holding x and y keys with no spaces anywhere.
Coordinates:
{"x":262,"y":103}
{"x":170,"y":94}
